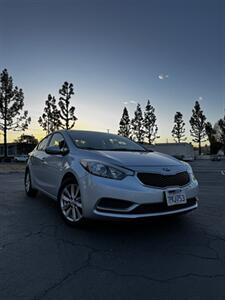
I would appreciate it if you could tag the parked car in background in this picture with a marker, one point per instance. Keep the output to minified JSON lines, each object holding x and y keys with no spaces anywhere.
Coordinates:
{"x":21,"y":158}
{"x":101,"y":175}
{"x":218,"y":156}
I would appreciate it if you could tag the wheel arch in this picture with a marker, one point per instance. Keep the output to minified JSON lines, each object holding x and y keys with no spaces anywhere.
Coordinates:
{"x":67,"y":175}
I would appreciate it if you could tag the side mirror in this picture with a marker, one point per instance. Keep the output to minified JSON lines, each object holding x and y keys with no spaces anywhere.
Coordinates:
{"x":55,"y":150}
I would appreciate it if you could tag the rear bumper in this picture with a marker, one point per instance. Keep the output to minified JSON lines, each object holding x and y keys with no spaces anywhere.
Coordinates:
{"x":142,"y":201}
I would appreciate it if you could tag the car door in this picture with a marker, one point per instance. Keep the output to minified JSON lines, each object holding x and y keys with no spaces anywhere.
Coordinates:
{"x":54,"y":165}
{"x":38,"y":163}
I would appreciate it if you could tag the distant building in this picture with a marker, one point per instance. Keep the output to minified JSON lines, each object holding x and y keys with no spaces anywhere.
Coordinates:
{"x":15,"y":149}
{"x":184,"y":151}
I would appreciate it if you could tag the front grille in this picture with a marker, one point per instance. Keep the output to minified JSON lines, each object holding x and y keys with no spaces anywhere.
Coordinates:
{"x":161,"y":181}
{"x":161,"y":207}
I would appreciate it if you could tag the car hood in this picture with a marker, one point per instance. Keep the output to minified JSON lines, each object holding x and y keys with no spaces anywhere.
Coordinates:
{"x":140,"y":160}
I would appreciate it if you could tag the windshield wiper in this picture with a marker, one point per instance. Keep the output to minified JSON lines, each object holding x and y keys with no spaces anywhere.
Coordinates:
{"x":89,"y":148}
{"x":116,"y":149}
{"x":125,"y":149}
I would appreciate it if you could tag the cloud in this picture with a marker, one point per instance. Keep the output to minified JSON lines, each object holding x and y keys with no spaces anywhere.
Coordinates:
{"x":129,"y":102}
{"x":163,"y":76}
{"x":133,"y":102}
{"x":199,"y":98}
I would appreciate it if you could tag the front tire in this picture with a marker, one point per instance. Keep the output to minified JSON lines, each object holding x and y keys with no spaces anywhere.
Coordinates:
{"x":28,"y":185}
{"x":69,"y":202}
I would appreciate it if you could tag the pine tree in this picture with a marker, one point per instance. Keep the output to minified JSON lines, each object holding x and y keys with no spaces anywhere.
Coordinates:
{"x":211,"y":134}
{"x":149,"y":122}
{"x":125,"y":128}
{"x":67,"y":117}
{"x":137,"y":125}
{"x":198,"y":122}
{"x":12,"y":115}
{"x":178,"y":131}
{"x":50,"y":119}
{"x":221,"y":124}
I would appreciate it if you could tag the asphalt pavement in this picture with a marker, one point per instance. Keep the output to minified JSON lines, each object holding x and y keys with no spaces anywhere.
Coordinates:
{"x":163,"y":258}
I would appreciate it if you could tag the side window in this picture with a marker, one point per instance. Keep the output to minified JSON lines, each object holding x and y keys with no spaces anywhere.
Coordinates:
{"x":42,"y":145}
{"x":58,"y":140}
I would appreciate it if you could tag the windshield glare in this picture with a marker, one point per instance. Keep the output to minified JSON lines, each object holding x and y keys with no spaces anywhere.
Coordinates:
{"x":103,"y":141}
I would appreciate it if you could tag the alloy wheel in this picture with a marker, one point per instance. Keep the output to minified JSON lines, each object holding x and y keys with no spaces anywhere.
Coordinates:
{"x":70,"y":202}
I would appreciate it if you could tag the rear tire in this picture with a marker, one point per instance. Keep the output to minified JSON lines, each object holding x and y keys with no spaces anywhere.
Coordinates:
{"x":69,"y":203}
{"x":30,"y":191}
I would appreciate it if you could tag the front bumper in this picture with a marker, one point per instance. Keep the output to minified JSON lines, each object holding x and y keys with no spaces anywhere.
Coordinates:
{"x":139,"y":201}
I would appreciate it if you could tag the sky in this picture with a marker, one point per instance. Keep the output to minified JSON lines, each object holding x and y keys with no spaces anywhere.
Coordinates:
{"x":117,"y":53}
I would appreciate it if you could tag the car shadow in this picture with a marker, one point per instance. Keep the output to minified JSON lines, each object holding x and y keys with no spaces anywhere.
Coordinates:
{"x":137,"y":227}
{"x":141,"y":236}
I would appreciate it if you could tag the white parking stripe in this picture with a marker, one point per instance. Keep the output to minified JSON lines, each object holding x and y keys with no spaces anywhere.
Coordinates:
{"x":223,"y":172}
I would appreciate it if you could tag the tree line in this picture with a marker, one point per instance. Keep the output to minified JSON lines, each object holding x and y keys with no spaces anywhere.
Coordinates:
{"x":58,"y":113}
{"x":142,"y":128}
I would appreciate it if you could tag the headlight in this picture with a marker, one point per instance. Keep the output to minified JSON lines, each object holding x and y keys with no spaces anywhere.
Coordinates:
{"x":190,"y":172}
{"x":101,"y":169}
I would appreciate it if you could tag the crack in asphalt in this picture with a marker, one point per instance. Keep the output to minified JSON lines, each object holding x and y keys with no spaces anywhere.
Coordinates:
{"x":94,"y":250}
{"x":59,"y":283}
{"x":160,"y":280}
{"x":211,"y":238}
{"x":28,"y":235}
{"x":87,"y":265}
{"x":197,"y":256}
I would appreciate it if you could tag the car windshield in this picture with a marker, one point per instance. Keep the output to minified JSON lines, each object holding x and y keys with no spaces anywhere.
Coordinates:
{"x":104,"y":141}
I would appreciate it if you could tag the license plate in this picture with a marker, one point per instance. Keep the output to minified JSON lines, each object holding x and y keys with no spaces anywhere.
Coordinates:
{"x":175,"y":197}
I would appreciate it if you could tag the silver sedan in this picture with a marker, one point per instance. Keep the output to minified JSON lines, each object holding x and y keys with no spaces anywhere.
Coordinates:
{"x":101,"y":175}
